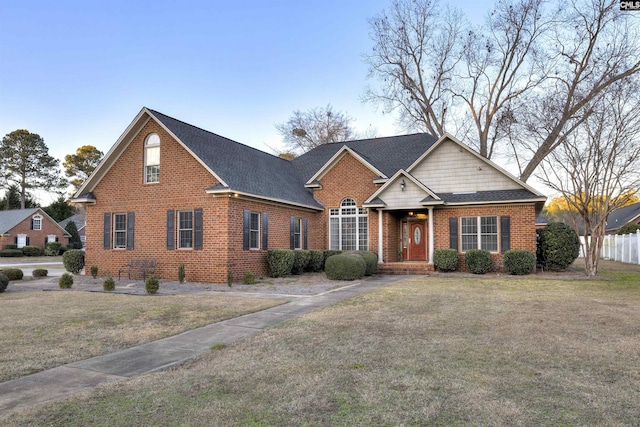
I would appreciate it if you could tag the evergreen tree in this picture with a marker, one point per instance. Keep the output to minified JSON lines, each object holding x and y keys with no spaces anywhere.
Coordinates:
{"x":74,"y":241}
{"x":59,"y":210}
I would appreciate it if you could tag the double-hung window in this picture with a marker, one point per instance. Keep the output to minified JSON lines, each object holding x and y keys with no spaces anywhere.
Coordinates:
{"x":348,"y":227}
{"x":119,"y":231}
{"x":479,"y":232}
{"x":37,"y":222}
{"x":297,"y":233}
{"x":254,"y":230}
{"x":185,"y":229}
{"x":152,"y":159}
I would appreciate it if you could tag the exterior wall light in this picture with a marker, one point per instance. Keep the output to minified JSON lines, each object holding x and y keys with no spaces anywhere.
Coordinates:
{"x":402,"y":184}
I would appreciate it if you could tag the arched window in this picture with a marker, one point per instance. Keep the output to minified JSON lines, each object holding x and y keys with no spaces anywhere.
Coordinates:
{"x":152,"y":158}
{"x":348,"y":227}
{"x":36,"y":222}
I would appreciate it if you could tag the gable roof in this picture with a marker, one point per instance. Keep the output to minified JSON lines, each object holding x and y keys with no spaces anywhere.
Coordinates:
{"x":13,"y":217}
{"x":79,"y":219}
{"x":622,"y":216}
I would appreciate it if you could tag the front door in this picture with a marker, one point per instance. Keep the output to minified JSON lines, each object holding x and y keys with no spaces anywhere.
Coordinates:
{"x":417,"y":247}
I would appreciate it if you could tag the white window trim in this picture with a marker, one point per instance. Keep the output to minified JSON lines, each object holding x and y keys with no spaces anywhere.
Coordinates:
{"x":37,"y":217}
{"x":51,"y":238}
{"x":124,"y":246}
{"x":360,"y":213}
{"x":479,"y":232}
{"x":24,"y":237}
{"x":178,"y":229}
{"x":147,"y":145}
{"x":253,"y":230}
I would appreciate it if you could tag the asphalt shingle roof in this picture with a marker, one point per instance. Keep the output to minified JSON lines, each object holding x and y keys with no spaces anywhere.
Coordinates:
{"x":11,"y":218}
{"x":488,"y":196}
{"x":621,"y":216}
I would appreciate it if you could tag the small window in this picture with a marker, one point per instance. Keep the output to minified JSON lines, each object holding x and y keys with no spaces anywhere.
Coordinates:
{"x":254,"y":231}
{"x":297,"y":233}
{"x":185,"y":229}
{"x":21,"y":241}
{"x":37,"y":222}
{"x":119,"y":231}
{"x":51,"y":238}
{"x":152,"y":159}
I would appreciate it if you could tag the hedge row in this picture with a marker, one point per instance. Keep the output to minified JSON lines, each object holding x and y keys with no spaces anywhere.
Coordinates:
{"x":478,"y":261}
{"x":50,"y":249}
{"x":283,"y":262}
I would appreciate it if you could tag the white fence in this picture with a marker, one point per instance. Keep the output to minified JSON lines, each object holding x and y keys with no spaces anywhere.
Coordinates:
{"x":623,"y":248}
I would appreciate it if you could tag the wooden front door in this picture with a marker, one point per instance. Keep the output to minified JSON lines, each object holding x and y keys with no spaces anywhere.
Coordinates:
{"x":417,"y":236}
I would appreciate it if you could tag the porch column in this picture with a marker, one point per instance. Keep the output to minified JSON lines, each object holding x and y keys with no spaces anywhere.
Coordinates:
{"x":380,"y":236}
{"x":430,"y":208}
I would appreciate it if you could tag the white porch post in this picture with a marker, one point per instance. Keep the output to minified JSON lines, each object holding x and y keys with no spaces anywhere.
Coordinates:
{"x":380,"y":236}
{"x":431,"y":244}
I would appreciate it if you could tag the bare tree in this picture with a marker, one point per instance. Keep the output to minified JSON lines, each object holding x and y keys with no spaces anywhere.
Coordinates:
{"x":597,"y":167}
{"x":517,"y":85}
{"x":308,"y":129}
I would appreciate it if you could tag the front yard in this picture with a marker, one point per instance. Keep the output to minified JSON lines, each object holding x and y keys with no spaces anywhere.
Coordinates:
{"x":441,"y":350}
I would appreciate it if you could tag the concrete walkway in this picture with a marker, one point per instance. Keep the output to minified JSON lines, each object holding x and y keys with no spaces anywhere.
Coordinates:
{"x":158,"y":355}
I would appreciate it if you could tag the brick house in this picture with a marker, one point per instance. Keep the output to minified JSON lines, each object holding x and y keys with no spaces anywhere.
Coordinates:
{"x":179,"y":194}
{"x":30,"y":227}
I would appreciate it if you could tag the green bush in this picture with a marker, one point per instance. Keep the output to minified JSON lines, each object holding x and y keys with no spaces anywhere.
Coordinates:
{"x":345,"y":267}
{"x":73,"y":260}
{"x":94,"y":271}
{"x":11,"y":253}
{"x":109,"y":284}
{"x":445,"y":259}
{"x":13,"y":273}
{"x":478,"y":261}
{"x":152,"y":285}
{"x":4,"y":282}
{"x":300,"y":261}
{"x":559,"y":246}
{"x":65,"y":281}
{"x":370,"y":260}
{"x":519,"y":262}
{"x":317,"y":260}
{"x":181,"y":276}
{"x":328,"y":253}
{"x":52,"y":248}
{"x":31,"y":251}
{"x":249,"y":278}
{"x":229,"y":278}
{"x":10,"y":246}
{"x":629,"y":228}
{"x":39,"y":272}
{"x":280,"y":262}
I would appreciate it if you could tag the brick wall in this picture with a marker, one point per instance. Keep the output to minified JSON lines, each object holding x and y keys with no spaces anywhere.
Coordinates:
{"x":36,"y":237}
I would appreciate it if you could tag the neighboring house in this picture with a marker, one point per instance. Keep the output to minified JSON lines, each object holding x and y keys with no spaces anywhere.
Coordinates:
{"x":176,"y":193}
{"x":542,"y":221}
{"x":81,"y":221}
{"x":30,"y":227}
{"x":627,"y":215}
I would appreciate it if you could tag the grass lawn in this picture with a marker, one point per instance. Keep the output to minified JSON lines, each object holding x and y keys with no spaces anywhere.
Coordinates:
{"x":42,"y":330}
{"x":432,"y":351}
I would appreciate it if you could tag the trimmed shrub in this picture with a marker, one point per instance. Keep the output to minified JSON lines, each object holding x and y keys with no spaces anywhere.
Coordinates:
{"x":445,"y":259}
{"x":13,"y":273}
{"x":152,"y":285}
{"x":52,"y":248}
{"x":345,"y":267}
{"x":39,"y":272}
{"x":94,"y":271}
{"x":478,"y":261}
{"x":229,"y":278}
{"x":31,"y":251}
{"x":109,"y":284}
{"x":4,"y":282}
{"x":559,"y":246}
{"x":65,"y":281}
{"x":519,"y":262}
{"x":11,"y":253}
{"x":629,"y":228}
{"x":317,"y":260}
{"x":10,"y":246}
{"x":181,"y":273}
{"x":280,"y":261}
{"x":300,"y":261}
{"x":249,"y":278}
{"x":73,"y":260}
{"x":370,"y":260}
{"x":330,"y":252}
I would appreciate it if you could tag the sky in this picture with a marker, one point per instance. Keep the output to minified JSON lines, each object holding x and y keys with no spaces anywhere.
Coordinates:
{"x":78,"y":72}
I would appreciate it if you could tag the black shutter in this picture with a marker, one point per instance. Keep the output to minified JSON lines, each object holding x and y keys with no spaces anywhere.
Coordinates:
{"x":453,"y":233}
{"x":106,"y":235}
{"x":197,"y":229}
{"x":265,"y":231}
{"x":305,"y":234}
{"x":170,"y":229}
{"x":245,"y":229}
{"x":32,"y":223}
{"x":15,"y":240}
{"x":27,"y":242}
{"x":130,"y":230}
{"x":292,"y":230}
{"x":505,"y":233}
